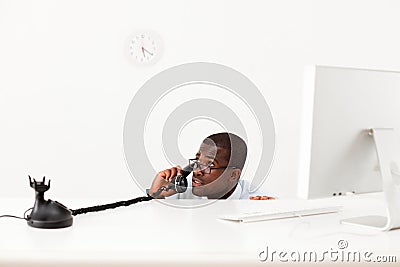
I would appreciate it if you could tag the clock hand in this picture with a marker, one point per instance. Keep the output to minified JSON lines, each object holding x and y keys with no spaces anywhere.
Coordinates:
{"x":143,"y":51}
{"x":147,"y":51}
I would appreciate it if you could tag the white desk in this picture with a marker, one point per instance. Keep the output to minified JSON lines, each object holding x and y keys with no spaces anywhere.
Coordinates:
{"x":154,"y":234}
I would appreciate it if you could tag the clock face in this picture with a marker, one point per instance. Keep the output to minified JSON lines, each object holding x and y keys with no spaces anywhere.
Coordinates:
{"x":144,"y":48}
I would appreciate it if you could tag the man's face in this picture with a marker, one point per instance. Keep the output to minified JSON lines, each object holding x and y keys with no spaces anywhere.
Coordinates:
{"x":216,"y":183}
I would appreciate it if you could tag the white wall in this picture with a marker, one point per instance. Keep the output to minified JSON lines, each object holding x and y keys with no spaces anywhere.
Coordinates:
{"x":65,"y":83}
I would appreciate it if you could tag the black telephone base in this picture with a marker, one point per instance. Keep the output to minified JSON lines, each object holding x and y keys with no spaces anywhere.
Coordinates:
{"x":47,"y":214}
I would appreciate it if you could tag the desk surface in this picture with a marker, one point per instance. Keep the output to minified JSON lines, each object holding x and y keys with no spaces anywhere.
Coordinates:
{"x":153,"y":233}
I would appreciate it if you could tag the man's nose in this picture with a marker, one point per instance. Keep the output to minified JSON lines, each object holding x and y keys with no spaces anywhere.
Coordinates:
{"x":197,"y":172}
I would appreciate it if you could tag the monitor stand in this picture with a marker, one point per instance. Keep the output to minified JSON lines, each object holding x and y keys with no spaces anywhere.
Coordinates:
{"x":387,"y":150}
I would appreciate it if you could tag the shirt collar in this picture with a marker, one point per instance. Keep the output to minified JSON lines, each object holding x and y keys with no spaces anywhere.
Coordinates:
{"x":237,"y":193}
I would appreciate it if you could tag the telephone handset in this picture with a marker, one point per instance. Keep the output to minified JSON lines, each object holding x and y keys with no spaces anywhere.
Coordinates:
{"x":179,"y":183}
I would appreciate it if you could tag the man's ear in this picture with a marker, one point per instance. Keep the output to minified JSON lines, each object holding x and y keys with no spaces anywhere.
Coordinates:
{"x":235,"y":174}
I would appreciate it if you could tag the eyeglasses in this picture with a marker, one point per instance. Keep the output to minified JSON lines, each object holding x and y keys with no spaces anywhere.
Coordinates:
{"x":206,"y":169}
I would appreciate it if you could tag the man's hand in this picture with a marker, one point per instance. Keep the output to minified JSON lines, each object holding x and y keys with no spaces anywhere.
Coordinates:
{"x":164,"y":178}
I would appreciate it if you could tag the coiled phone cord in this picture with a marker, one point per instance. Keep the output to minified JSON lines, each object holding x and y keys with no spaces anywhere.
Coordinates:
{"x":110,"y":206}
{"x":119,"y":203}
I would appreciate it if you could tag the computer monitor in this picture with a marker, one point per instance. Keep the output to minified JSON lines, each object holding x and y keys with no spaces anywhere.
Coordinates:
{"x":341,"y":105}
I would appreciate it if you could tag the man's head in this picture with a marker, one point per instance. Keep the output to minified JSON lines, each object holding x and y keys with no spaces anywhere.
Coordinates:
{"x":225,"y":155}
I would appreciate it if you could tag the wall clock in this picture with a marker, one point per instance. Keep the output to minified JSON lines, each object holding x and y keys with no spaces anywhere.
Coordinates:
{"x":144,"y":48}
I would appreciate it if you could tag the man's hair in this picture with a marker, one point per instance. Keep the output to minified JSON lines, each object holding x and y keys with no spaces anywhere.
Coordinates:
{"x":235,"y":147}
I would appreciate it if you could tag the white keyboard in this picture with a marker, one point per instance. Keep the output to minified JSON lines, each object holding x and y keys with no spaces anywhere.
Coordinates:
{"x":279,"y":214}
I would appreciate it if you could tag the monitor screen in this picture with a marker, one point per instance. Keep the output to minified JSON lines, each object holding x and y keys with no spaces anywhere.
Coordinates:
{"x":338,"y":156}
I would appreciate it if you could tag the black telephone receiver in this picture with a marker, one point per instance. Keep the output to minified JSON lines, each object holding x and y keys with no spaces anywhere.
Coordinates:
{"x":179,"y":183}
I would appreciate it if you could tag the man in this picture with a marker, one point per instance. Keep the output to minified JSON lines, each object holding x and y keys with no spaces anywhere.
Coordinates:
{"x":217,"y":168}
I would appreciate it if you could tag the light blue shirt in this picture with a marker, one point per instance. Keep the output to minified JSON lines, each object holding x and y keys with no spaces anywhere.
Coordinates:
{"x":241,"y":192}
